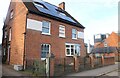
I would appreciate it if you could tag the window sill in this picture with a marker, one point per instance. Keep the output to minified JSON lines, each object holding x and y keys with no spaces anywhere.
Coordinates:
{"x":71,"y":55}
{"x":62,"y":37}
{"x":43,"y":58}
{"x":46,"y":34}
{"x":74,"y":38}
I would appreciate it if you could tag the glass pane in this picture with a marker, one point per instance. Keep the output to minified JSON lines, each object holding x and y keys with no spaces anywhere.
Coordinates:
{"x":45,"y":24}
{"x":72,"y":46}
{"x":75,"y":51}
{"x":44,"y":50}
{"x":77,"y":48}
{"x":68,"y":51}
{"x":74,"y":35}
{"x":72,"y":51}
{"x":43,"y":55}
{"x":74,"y":31}
{"x":67,"y":46}
{"x":45,"y":30}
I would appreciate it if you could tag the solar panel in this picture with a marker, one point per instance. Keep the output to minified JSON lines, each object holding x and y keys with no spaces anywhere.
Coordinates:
{"x":52,"y":10}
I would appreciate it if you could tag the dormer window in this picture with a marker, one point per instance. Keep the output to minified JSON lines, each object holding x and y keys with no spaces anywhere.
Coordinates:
{"x":11,"y":14}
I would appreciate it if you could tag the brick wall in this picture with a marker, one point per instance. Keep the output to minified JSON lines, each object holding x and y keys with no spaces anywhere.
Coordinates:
{"x":34,"y":39}
{"x":112,"y":40}
{"x":17,"y":25}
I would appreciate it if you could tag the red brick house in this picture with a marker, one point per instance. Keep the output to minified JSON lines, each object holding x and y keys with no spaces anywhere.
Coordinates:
{"x":109,"y":46}
{"x":34,"y":29}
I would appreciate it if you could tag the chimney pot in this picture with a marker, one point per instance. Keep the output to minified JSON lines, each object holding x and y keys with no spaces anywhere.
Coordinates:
{"x":62,"y":5}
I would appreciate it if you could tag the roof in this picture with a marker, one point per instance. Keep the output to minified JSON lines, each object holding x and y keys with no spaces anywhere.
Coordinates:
{"x":104,"y":50}
{"x":46,"y":9}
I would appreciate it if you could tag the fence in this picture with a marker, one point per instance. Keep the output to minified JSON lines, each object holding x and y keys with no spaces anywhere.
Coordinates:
{"x":84,"y":63}
{"x":62,"y":66}
{"x":36,"y":66}
{"x":67,"y":65}
{"x":97,"y":62}
{"x":109,"y":60}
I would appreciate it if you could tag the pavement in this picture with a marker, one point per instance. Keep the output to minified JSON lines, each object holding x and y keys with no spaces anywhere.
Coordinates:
{"x":111,"y":70}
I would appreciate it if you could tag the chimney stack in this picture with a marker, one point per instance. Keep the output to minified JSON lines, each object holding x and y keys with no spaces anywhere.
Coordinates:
{"x":62,"y":5}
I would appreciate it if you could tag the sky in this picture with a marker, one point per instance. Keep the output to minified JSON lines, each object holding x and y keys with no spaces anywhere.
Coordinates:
{"x":97,"y":16}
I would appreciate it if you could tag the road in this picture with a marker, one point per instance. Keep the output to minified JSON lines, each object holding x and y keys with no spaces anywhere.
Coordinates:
{"x":110,"y":70}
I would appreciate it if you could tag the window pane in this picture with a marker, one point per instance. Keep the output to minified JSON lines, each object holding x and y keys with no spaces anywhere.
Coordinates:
{"x":61,"y":31}
{"x":77,"y":49}
{"x":74,"y":31}
{"x":45,"y":24}
{"x":45,"y":30}
{"x":45,"y":27}
{"x":44,"y":50}
{"x":72,"y":51}
{"x":68,"y":51}
{"x":74,"y":35}
{"x":43,"y":55}
{"x":67,"y":46}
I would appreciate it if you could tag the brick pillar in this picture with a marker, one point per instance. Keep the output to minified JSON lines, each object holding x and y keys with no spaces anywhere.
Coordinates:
{"x":103,"y":61}
{"x":92,"y":61}
{"x":76,"y":64}
{"x":52,"y":63}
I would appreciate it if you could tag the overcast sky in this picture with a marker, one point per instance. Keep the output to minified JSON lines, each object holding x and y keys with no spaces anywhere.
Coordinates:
{"x":98,"y":16}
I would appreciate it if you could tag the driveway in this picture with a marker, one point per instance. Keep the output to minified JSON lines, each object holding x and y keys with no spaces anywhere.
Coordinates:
{"x":99,"y":71}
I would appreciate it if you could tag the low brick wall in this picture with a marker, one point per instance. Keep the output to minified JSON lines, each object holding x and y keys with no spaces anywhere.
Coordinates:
{"x":109,"y":60}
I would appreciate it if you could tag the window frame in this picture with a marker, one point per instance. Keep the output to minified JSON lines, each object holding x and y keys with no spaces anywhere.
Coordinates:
{"x":74,"y":33}
{"x":61,"y":31}
{"x":46,"y":27}
{"x":74,"y":48}
{"x":48,"y":52}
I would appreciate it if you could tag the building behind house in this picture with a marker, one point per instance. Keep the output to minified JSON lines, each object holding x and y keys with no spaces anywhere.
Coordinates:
{"x":107,"y":45}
